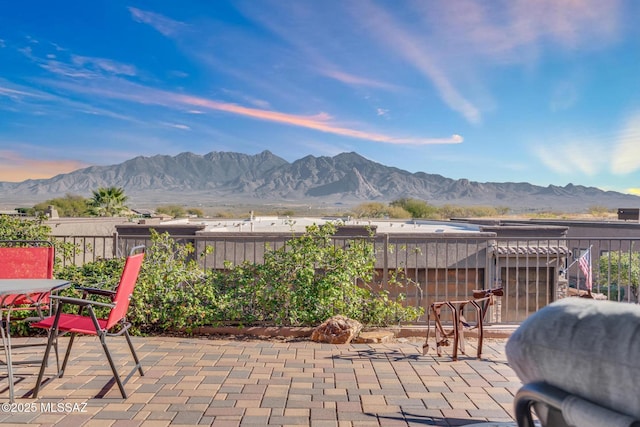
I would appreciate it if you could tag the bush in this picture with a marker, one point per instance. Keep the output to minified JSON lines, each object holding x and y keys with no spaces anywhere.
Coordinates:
{"x":175,"y":211}
{"x":307,"y":281}
{"x":303,"y":283}
{"x":417,"y":208}
{"x":171,"y":291}
{"x":17,"y":228}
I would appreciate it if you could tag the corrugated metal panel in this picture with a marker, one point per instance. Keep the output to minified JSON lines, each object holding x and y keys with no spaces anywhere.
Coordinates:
{"x":532,"y":250}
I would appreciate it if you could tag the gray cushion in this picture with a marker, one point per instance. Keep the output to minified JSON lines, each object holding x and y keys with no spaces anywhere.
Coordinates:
{"x":588,"y":348}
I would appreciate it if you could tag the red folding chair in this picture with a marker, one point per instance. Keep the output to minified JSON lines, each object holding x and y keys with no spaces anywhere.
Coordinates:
{"x":23,"y":259}
{"x":88,"y":324}
{"x":26,"y":259}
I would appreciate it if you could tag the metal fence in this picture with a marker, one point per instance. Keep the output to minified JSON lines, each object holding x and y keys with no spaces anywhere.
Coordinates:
{"x":424,"y":269}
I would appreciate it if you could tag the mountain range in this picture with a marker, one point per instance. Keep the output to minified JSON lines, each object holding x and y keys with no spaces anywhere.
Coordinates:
{"x":347,"y":178}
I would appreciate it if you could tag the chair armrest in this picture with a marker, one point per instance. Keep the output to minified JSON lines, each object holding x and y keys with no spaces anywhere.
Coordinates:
{"x":81,"y":302}
{"x":96,"y":291}
{"x":570,"y":409}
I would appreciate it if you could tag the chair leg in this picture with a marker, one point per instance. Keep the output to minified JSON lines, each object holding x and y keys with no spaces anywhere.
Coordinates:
{"x":52,"y":341}
{"x":55,"y":349}
{"x":72,"y":338}
{"x":480,"y":315}
{"x":116,"y":376}
{"x":133,"y":353}
{"x":461,"y":323}
{"x":456,"y":335}
{"x":6,"y":341}
{"x":441,"y":336}
{"x":53,"y":332}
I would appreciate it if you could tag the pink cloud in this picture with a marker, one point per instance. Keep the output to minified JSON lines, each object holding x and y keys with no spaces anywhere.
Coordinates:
{"x":351,"y":79}
{"x":321,"y":122}
{"x":317,"y":122}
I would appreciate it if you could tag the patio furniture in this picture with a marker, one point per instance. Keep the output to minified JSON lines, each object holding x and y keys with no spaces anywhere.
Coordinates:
{"x":18,"y":289}
{"x":86,"y":321}
{"x":22,"y":261}
{"x":26,"y":259}
{"x":578,"y":360}
{"x":482,"y":300}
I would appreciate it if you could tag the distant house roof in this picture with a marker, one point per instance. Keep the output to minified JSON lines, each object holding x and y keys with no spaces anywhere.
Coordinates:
{"x":298,"y":224}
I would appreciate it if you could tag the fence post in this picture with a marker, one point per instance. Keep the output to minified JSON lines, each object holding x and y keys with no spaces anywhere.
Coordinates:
{"x":491,"y":280}
{"x":115,"y":244}
{"x":385,"y":261}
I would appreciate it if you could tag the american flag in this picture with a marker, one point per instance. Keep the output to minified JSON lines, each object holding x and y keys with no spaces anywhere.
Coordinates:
{"x":585,"y":265}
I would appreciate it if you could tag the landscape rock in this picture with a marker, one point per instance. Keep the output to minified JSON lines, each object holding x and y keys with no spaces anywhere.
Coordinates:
{"x":374,"y":337}
{"x":337,"y":330}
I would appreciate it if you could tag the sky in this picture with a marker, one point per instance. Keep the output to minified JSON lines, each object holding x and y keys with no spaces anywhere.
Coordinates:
{"x":538,"y":91}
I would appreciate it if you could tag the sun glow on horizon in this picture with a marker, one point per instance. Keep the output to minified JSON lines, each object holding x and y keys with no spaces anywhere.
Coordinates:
{"x":16,"y":168}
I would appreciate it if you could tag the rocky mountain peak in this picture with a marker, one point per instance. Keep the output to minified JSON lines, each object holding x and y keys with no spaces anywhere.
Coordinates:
{"x":229,"y":177}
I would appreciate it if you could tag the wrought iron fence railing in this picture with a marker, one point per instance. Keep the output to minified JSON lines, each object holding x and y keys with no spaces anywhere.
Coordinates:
{"x":429,"y":268}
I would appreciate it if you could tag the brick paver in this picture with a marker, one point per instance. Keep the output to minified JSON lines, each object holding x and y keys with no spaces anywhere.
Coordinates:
{"x":222,"y":382}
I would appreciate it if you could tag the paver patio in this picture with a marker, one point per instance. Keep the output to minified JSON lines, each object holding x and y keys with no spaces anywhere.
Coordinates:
{"x":228,"y":382}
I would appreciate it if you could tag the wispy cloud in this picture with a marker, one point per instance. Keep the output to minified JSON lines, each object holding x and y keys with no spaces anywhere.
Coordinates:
{"x":568,"y":23}
{"x":77,"y":66}
{"x":321,"y":122}
{"x":483,"y":34}
{"x":105,"y":65}
{"x":17,"y":93}
{"x":316,"y":122}
{"x":178,"y":126}
{"x":15,"y":167}
{"x":626,"y":152}
{"x":417,"y":52}
{"x":234,"y":94}
{"x":45,"y":103}
{"x":615,"y":152}
{"x":518,"y":30}
{"x":351,"y":79}
{"x":302,"y":28}
{"x":166,"y":26}
{"x":568,"y":155}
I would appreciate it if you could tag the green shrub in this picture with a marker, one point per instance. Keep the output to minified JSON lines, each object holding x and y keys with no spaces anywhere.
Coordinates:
{"x":171,"y":291}
{"x":303,"y":283}
{"x":19,"y":228}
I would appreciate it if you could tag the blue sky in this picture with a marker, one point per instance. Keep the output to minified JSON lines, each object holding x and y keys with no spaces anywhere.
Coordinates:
{"x":544,"y":91}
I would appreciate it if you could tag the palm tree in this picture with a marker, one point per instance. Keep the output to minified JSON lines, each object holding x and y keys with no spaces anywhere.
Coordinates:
{"x":108,"y":201}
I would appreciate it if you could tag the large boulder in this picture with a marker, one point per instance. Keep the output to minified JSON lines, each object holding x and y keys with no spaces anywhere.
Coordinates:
{"x":337,"y":330}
